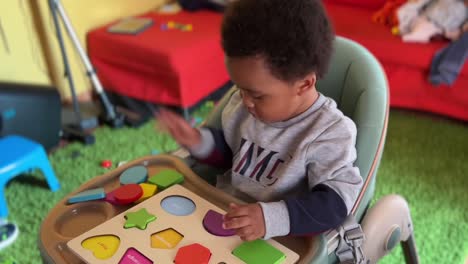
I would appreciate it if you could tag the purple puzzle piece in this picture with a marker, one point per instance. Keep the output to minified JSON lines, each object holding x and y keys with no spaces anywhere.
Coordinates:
{"x":110,"y":198}
{"x":213,"y":223}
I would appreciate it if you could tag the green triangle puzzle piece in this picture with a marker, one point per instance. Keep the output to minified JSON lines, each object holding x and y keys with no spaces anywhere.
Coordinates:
{"x":166,"y":178}
{"x":258,"y":252}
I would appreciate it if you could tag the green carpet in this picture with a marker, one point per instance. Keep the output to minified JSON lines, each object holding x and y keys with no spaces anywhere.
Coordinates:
{"x":425,"y":160}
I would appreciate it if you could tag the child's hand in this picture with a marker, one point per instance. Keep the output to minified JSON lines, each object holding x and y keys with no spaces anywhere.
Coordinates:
{"x":179,"y":129}
{"x":246,"y":220}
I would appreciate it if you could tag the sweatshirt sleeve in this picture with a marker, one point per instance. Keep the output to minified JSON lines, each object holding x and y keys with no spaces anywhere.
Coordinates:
{"x":334,"y":182}
{"x":276,"y":219}
{"x":213,"y":149}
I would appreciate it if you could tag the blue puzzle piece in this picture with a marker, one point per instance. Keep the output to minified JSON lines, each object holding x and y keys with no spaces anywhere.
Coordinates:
{"x":136,"y":174}
{"x":89,"y":195}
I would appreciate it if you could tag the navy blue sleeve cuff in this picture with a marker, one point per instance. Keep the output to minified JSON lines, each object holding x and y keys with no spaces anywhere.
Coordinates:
{"x":221,"y":155}
{"x":316,"y":212}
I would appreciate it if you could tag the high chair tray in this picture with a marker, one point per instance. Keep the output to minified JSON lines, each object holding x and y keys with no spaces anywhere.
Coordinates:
{"x":68,"y":226}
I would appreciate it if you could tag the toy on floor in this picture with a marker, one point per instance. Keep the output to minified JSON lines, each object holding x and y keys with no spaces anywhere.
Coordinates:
{"x":420,"y":20}
{"x":8,"y":233}
{"x":121,"y":163}
{"x":174,"y":226}
{"x":106,"y":164}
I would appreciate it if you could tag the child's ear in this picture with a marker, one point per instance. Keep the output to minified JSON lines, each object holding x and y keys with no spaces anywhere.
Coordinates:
{"x":307,"y":83}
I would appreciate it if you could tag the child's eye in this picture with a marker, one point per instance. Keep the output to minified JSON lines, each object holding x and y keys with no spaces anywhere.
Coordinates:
{"x":258,"y":97}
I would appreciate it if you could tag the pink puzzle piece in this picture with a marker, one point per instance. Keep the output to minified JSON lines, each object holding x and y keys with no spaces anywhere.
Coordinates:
{"x":110,"y":198}
{"x":133,"y":256}
{"x":213,"y":223}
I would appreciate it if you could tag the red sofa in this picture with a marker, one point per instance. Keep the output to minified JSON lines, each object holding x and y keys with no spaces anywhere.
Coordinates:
{"x":407,"y":65}
{"x":162,"y":65}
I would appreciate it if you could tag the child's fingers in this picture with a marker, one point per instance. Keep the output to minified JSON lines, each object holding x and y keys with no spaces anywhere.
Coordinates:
{"x":161,"y":127}
{"x":178,"y":127}
{"x":237,"y":211}
{"x":180,"y":136}
{"x":165,"y":117}
{"x":245,"y":232}
{"x":168,"y":122}
{"x":163,"y":124}
{"x":174,"y":121}
{"x":169,"y":115}
{"x":250,"y":237}
{"x":235,"y":223}
{"x":161,"y":120}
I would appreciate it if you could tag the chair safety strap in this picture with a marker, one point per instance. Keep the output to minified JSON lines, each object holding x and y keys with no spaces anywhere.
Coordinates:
{"x":351,"y":239}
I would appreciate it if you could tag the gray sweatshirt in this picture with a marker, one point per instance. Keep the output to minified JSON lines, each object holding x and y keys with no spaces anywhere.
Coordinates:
{"x":300,"y":171}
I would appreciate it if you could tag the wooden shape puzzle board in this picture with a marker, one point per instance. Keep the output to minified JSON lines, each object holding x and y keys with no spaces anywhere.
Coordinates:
{"x":189,"y":226}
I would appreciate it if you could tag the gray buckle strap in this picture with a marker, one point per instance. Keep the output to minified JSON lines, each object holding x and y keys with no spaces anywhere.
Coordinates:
{"x":351,"y":238}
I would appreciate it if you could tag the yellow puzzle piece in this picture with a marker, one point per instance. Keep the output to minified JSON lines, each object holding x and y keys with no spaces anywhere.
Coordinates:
{"x":103,"y":247}
{"x":166,"y":239}
{"x":148,"y":191}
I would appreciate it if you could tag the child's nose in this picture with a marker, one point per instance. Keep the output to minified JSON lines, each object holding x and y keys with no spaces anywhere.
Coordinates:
{"x":247,"y":100}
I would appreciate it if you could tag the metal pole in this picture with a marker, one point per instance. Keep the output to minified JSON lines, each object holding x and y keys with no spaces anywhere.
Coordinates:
{"x":66,"y":65}
{"x":89,"y":67}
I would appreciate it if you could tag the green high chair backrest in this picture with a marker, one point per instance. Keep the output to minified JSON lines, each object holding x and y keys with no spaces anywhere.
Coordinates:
{"x":358,"y":84}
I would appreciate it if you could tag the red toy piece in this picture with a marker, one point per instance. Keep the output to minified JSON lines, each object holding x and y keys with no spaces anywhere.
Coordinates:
{"x":193,"y":254}
{"x":106,"y":164}
{"x":128,"y":193}
{"x":387,"y":14}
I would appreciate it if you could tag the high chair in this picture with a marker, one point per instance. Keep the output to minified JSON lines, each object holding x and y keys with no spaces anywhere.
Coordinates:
{"x":358,"y":84}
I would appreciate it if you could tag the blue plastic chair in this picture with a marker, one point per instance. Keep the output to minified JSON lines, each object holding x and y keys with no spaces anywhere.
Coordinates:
{"x":19,"y":155}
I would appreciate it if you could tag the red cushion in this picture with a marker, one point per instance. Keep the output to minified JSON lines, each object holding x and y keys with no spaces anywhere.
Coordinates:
{"x":162,"y":66}
{"x":356,"y":24}
{"x":409,"y":88}
{"x":369,"y":4}
{"x":407,"y":65}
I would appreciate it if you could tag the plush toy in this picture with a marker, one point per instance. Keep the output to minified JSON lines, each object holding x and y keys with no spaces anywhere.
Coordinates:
{"x":387,"y":14}
{"x":455,"y":34}
{"x":419,"y":20}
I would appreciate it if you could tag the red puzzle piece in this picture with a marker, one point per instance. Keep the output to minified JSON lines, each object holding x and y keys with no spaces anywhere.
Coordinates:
{"x":125,"y":194}
{"x":193,"y":254}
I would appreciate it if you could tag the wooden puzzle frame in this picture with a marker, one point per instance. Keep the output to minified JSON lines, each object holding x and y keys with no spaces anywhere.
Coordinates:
{"x":189,"y":226}
{"x":67,"y":221}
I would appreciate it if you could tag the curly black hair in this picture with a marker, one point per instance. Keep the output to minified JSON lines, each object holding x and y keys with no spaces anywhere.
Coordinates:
{"x":295,"y":37}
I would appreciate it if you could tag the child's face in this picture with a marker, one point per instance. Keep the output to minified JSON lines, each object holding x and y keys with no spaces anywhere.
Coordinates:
{"x":266,"y":97}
